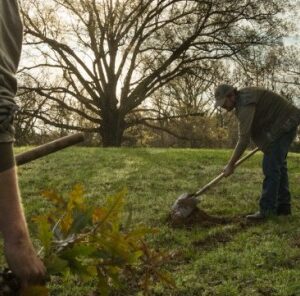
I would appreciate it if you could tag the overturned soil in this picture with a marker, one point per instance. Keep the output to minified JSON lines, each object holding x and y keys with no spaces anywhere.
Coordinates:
{"x":200,"y":218}
{"x":197,"y":217}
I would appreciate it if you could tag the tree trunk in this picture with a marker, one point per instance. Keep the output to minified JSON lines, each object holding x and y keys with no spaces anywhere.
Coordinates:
{"x":112,"y":129}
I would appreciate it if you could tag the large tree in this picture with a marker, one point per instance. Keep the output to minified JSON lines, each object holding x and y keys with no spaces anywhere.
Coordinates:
{"x":103,"y":58}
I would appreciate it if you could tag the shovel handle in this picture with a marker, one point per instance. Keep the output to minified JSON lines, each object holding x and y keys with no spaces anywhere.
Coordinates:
{"x":48,"y":148}
{"x":219,"y":177}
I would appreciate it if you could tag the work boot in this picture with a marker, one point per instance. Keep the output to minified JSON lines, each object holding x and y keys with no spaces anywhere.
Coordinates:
{"x":284,"y":211}
{"x":258,"y":216}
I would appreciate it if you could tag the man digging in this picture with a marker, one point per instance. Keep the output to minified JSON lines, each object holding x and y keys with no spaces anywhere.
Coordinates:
{"x":271,"y":122}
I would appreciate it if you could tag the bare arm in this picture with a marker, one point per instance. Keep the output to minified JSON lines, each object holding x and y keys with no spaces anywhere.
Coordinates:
{"x":18,"y":249}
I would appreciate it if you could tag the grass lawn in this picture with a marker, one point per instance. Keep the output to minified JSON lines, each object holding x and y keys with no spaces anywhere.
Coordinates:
{"x":230,"y":259}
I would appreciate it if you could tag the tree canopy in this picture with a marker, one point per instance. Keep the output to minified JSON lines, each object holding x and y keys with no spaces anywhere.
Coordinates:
{"x":101,"y":59}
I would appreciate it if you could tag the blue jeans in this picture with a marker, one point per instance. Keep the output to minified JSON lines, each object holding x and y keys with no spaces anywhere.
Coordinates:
{"x":275,"y":190}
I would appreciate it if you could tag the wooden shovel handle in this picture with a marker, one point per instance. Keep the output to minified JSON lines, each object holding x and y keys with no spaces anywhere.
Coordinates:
{"x":48,"y":148}
{"x":219,"y":177}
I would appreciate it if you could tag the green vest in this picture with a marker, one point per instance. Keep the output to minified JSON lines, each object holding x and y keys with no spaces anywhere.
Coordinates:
{"x":271,"y":116}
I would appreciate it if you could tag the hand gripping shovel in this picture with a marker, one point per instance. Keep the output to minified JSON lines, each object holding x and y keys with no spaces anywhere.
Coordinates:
{"x":187,"y":202}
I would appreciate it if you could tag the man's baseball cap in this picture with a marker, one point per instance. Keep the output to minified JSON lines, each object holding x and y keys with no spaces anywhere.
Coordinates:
{"x":221,"y":92}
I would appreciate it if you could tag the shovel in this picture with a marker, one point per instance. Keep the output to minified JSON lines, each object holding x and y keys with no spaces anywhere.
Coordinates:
{"x":48,"y":148}
{"x":186,"y":203}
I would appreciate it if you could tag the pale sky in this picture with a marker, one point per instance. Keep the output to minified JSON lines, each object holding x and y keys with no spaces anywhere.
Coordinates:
{"x":295,"y":38}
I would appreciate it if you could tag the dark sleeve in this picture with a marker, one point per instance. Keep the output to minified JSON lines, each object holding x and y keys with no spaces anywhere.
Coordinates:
{"x":7,"y":159}
{"x":245,"y":118}
{"x":11,"y":31}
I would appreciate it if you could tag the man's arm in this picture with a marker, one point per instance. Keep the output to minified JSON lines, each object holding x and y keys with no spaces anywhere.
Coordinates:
{"x":245,"y":118}
{"x":18,"y":249}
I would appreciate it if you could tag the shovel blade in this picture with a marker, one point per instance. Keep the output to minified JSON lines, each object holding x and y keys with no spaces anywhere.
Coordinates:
{"x":184,"y":205}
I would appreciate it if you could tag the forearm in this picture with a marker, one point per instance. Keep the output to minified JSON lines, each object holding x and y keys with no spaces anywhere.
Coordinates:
{"x":238,"y":151}
{"x":12,"y":221}
{"x":245,"y":116}
{"x":18,"y":249}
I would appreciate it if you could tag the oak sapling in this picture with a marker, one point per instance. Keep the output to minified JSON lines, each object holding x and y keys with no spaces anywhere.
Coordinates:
{"x":97,"y":243}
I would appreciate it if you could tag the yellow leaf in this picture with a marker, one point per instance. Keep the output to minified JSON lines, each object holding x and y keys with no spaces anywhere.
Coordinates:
{"x":115,"y":205}
{"x":66,"y":222}
{"x":53,"y":197}
{"x":76,"y":198}
{"x":98,"y":215}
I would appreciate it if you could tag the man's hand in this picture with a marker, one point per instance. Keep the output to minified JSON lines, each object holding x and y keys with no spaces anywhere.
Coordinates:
{"x":18,"y":249}
{"x":228,"y":170}
{"x":24,"y":262}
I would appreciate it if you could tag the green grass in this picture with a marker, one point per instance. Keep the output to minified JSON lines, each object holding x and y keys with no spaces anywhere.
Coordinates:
{"x":229,"y":259}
